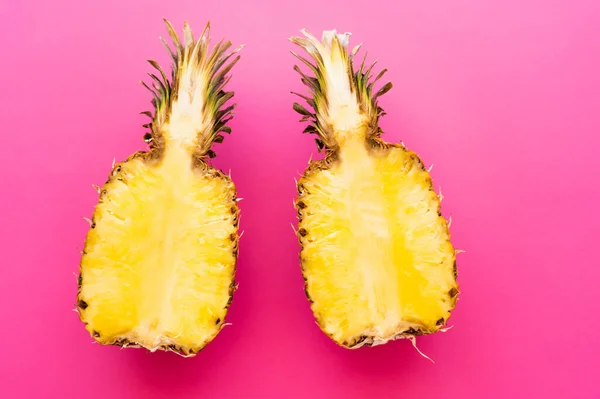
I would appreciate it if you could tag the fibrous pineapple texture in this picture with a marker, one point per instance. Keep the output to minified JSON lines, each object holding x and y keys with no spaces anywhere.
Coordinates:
{"x":375,"y":252}
{"x":159,"y":260}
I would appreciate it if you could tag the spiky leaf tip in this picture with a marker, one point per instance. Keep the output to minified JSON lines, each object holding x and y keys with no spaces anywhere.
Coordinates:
{"x":340,"y":98}
{"x":190,"y":106}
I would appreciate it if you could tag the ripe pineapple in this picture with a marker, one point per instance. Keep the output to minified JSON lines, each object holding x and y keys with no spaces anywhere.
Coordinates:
{"x":376,"y":254}
{"x":159,"y":261}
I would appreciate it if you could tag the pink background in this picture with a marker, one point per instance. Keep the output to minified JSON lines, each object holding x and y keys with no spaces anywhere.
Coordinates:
{"x":502,"y":96}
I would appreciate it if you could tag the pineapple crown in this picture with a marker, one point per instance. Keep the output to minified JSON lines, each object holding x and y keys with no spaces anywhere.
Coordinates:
{"x":341,"y":98}
{"x":196,"y":88}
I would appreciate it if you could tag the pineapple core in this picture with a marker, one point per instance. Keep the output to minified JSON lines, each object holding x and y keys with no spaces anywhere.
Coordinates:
{"x":159,"y":261}
{"x":376,"y":252}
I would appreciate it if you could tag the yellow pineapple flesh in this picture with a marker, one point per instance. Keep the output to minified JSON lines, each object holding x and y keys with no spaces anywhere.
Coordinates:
{"x":158,"y":266}
{"x":376,"y":253}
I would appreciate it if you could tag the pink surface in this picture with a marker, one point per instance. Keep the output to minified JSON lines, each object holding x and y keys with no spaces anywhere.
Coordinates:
{"x":502,"y":96}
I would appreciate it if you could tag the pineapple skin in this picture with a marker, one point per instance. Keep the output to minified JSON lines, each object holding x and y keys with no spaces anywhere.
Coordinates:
{"x":344,"y":116}
{"x":180,"y":141}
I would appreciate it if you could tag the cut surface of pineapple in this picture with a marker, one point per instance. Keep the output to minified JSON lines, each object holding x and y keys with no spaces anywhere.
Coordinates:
{"x":376,"y":254}
{"x":159,"y":260}
{"x":161,"y":257}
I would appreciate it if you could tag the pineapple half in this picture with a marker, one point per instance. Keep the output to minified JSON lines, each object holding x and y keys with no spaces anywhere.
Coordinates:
{"x":376,"y":254}
{"x":159,"y":260}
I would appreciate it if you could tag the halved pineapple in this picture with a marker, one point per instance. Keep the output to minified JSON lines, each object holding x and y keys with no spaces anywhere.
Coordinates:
{"x":376,"y":254}
{"x":159,"y":261}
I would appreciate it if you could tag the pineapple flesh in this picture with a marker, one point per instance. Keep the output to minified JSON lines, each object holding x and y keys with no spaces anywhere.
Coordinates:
{"x":376,"y":254}
{"x":158,"y":265}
